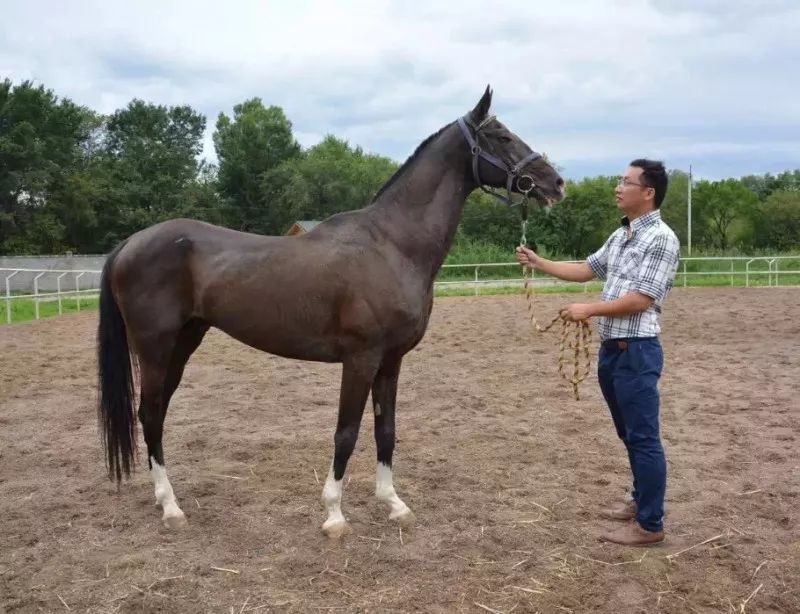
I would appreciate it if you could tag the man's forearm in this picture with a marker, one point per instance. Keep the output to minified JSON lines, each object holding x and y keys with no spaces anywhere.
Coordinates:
{"x":631,"y":303}
{"x":569,"y":271}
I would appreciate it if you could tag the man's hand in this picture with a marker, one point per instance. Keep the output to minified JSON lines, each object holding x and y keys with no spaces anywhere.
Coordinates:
{"x":578,"y":311}
{"x":527,"y":257}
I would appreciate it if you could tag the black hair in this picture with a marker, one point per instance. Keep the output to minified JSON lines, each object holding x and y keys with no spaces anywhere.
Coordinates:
{"x":654,"y":175}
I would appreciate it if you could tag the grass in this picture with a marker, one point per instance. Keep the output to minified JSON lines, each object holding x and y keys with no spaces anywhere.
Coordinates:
{"x":25,"y":309}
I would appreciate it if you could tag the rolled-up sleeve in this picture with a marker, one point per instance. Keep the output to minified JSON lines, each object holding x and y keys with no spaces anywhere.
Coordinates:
{"x":598,"y":261}
{"x":657,"y":271}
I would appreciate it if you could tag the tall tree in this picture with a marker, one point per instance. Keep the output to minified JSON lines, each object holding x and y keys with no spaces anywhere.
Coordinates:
{"x":719,"y":205}
{"x":777,"y":225}
{"x":148,"y":162}
{"x":328,"y":178}
{"x":257,"y":140}
{"x":40,"y":144}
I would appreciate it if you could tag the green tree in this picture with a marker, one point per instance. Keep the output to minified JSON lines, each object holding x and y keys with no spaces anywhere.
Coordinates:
{"x":777,"y":225}
{"x":487,"y":220}
{"x":718,"y":205}
{"x":582,"y":222}
{"x":257,"y":140}
{"x":147,"y":163}
{"x":40,"y":144}
{"x":328,"y":178}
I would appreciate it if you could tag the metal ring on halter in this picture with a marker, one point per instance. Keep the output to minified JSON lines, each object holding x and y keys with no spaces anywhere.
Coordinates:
{"x":476,"y":150}
{"x":519,"y":183}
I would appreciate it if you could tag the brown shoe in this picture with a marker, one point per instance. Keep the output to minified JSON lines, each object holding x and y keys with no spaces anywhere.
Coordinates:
{"x":633,"y":534}
{"x":626,"y":511}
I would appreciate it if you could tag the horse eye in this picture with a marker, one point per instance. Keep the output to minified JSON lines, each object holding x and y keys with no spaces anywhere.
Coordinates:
{"x":505,"y":139}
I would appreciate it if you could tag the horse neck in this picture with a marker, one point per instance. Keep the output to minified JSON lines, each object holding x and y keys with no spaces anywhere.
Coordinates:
{"x":420,"y":212}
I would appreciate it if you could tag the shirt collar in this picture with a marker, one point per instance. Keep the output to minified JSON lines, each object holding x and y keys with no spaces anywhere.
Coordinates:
{"x":642,"y":222}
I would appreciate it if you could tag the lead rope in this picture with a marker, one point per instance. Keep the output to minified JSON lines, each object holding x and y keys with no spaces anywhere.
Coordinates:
{"x":581,"y":331}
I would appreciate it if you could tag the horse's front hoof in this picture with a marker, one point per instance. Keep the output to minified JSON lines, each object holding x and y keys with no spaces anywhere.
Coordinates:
{"x":336,"y":529}
{"x":175,"y":523}
{"x":405,"y":518}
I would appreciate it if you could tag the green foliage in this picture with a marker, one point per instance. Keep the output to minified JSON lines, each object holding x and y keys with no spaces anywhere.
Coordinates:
{"x":74,"y":180}
{"x":256,"y":141}
{"x":40,"y":145}
{"x":777,"y":223}
{"x":328,"y":178}
{"x":718,"y":205}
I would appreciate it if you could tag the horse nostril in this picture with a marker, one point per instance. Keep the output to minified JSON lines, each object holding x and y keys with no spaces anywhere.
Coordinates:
{"x":560,"y":182}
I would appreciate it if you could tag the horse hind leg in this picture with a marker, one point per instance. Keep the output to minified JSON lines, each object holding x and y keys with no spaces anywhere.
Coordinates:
{"x":160,"y":377}
{"x":384,"y":395}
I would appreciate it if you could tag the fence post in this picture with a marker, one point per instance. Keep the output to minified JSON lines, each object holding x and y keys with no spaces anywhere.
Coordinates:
{"x":36,"y":294}
{"x":684,"y":273}
{"x":78,"y":290}
{"x":476,"y":281}
{"x":58,"y":288}
{"x":731,"y":273}
{"x":8,"y":296}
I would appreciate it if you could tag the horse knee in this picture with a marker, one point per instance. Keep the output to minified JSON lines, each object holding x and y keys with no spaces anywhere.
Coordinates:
{"x":345,"y":440}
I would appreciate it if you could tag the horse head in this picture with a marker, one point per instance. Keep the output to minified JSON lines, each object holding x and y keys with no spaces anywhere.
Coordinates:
{"x":501,"y":159}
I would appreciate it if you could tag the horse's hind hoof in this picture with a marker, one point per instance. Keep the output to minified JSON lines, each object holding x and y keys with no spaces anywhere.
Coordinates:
{"x":175,"y":523}
{"x":405,"y":519}
{"x":336,"y":530}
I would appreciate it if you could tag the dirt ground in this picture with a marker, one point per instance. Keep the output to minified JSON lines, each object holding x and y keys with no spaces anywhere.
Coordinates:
{"x":503,"y":468}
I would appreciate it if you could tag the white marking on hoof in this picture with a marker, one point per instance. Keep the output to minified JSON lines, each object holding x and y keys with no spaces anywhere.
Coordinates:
{"x":384,"y":491}
{"x":336,"y":525}
{"x":404,"y":518}
{"x":336,"y":528}
{"x":175,"y":522}
{"x":174,"y":517}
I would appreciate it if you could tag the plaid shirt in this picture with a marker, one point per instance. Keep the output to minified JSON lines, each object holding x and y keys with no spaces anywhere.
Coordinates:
{"x":646,"y":263}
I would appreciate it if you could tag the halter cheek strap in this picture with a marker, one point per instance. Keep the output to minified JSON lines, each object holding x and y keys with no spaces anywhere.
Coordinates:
{"x":524,"y":183}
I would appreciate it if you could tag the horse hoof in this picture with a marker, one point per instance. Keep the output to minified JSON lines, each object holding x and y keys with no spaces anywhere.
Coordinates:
{"x":336,"y":530}
{"x":405,"y":519}
{"x":175,"y":523}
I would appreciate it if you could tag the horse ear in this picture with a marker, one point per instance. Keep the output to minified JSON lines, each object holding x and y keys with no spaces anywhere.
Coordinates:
{"x":481,"y":109}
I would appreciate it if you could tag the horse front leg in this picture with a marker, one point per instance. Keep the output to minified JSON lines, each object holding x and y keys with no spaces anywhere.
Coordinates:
{"x":384,"y":395}
{"x":357,"y":376}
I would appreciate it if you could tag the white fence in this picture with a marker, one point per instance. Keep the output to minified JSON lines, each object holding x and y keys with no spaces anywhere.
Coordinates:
{"x":55,"y":285}
{"x":86,"y":283}
{"x":752,"y":270}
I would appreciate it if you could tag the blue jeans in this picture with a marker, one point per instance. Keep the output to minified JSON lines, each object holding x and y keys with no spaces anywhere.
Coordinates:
{"x":629,"y":380}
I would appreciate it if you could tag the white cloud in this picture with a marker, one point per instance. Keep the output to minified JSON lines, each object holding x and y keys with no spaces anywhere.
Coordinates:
{"x":594,"y":82}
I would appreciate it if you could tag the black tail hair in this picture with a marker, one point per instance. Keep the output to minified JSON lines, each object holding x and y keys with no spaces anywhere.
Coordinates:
{"x":115,"y":410}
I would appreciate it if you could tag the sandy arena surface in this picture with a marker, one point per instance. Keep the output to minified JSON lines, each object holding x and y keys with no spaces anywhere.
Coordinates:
{"x":503,"y":468}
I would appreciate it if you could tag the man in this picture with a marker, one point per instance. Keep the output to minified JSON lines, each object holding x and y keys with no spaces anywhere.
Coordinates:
{"x":638,"y":264}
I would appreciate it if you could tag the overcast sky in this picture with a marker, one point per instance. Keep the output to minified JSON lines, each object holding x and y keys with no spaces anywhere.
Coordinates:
{"x":594,"y":83}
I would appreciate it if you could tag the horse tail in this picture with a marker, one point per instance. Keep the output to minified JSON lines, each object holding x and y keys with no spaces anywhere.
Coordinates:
{"x":115,"y":410}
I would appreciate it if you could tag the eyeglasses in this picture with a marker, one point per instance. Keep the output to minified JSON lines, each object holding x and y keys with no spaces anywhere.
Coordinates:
{"x":625,"y":182}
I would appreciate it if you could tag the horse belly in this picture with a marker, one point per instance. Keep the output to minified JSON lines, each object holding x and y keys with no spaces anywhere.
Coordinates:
{"x":292,"y":329}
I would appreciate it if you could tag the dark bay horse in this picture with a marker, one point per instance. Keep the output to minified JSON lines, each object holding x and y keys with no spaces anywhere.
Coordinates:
{"x":356,"y":290}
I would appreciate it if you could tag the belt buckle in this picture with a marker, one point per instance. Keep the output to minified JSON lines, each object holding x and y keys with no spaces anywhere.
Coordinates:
{"x":622,"y":345}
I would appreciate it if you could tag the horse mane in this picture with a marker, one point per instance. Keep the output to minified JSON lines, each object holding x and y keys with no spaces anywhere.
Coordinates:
{"x":408,"y":162}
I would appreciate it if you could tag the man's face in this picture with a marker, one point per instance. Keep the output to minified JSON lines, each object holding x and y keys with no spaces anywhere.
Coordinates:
{"x":632,"y":194}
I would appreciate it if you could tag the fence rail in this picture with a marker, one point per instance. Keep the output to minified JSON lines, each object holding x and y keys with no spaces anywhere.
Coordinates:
{"x":755,"y":270}
{"x":32,"y":287}
{"x":36,"y":285}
